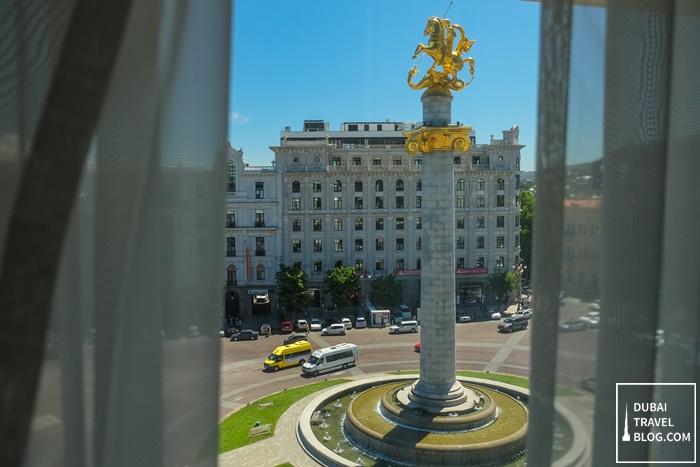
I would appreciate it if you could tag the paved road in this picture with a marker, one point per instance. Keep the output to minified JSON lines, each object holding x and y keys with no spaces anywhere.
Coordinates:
{"x":479,"y":347}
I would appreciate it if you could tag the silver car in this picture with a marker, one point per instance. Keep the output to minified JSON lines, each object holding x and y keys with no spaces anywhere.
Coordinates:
{"x":334,"y":330}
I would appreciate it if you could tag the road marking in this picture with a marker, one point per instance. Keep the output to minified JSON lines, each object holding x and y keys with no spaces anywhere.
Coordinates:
{"x":504,"y":351}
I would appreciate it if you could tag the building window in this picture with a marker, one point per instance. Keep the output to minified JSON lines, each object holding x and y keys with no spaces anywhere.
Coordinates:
{"x":318,"y":225}
{"x":517,"y":241}
{"x":352,"y":127}
{"x":379,"y":244}
{"x":317,"y":186}
{"x":296,"y":186}
{"x":517,"y":220}
{"x":259,"y":190}
{"x":460,"y":201}
{"x":260,"y":272}
{"x":460,"y":243}
{"x":317,"y":203}
{"x":460,"y":222}
{"x":376,"y":162}
{"x":399,"y":185}
{"x":338,"y":263}
{"x":318,"y":245}
{"x":500,"y":201}
{"x":480,"y":224}
{"x":480,"y":201}
{"x":418,"y":161}
{"x":338,"y":244}
{"x":356,"y":161}
{"x":396,"y":162}
{"x":500,"y":261}
{"x":336,"y":161}
{"x":359,"y":265}
{"x":480,"y":184}
{"x":379,"y":202}
{"x":338,"y":202}
{"x":259,"y":218}
{"x":399,"y":202}
{"x":379,"y":265}
{"x":399,"y":264}
{"x":399,"y":223}
{"x":419,"y":185}
{"x":500,"y":184}
{"x":460,"y":184}
{"x":318,"y":266}
{"x":379,"y":186}
{"x":359,"y":223}
{"x":296,"y":225}
{"x":419,"y":243}
{"x":379,"y":223}
{"x":231,"y":182}
{"x":338,"y":186}
{"x":359,"y":244}
{"x":358,"y":186}
{"x":296,"y":204}
{"x":337,"y":224}
{"x":358,"y":202}
{"x":500,"y":241}
{"x":460,"y":262}
{"x":399,"y":244}
{"x":296,"y":246}
{"x":419,"y":223}
{"x":259,"y":246}
{"x":517,"y":200}
{"x":419,"y":201}
{"x":480,"y":242}
{"x":230,"y":246}
{"x":230,"y":219}
{"x":418,"y":264}
{"x":500,"y":221}
{"x":231,"y":275}
{"x":479,"y":261}
{"x":457,"y":160}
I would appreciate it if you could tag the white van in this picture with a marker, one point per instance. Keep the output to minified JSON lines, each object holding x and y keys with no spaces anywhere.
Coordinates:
{"x":330,"y":358}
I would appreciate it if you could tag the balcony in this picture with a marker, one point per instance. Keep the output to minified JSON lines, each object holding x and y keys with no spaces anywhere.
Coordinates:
{"x":231,"y":283}
{"x":230,"y":225}
{"x":259,"y":223}
{"x":231,"y":253}
{"x":259,"y":252}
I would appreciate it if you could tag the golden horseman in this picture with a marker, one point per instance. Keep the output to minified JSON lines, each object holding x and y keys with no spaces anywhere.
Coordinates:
{"x":441,"y":37}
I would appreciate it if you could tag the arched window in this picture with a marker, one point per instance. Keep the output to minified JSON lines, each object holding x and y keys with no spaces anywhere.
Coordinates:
{"x":419,"y":185}
{"x":317,"y":186}
{"x":358,"y":186}
{"x":231,"y":182}
{"x":337,"y":186}
{"x":260,"y":272}
{"x":480,"y":184}
{"x":460,"y":184}
{"x":399,"y":185}
{"x":296,"y":186}
{"x":379,"y":186}
{"x":500,"y":184}
{"x":231,"y":275}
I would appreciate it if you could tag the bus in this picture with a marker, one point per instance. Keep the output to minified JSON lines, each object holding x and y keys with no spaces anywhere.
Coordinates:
{"x":330,"y":358}
{"x":288,"y":355}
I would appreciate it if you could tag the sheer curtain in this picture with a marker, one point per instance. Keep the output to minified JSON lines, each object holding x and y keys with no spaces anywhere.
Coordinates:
{"x":619,"y":100}
{"x":112,"y":169}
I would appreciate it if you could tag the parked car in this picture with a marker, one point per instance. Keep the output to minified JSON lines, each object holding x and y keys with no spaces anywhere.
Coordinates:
{"x":347,"y":323}
{"x":573,"y":325}
{"x":262,"y":299}
{"x":464,"y":318}
{"x":360,"y":322}
{"x":405,"y":326}
{"x":301,"y":325}
{"x":588,"y":383}
{"x":315,"y":324}
{"x":263,"y":329}
{"x":495,"y":315}
{"x":416,"y":348}
{"x":334,"y":330}
{"x":294,"y":338}
{"x":245,"y":335}
{"x":595,"y":306}
{"x":524,"y":313}
{"x":513,"y":324}
{"x":592,"y":318}
{"x":286,"y":326}
{"x":228,"y":331}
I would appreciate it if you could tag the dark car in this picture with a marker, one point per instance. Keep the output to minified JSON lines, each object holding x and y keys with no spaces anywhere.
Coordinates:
{"x":294,"y":338}
{"x":573,"y":325}
{"x":246,"y":335}
{"x":228,"y":331}
{"x":513,"y":324}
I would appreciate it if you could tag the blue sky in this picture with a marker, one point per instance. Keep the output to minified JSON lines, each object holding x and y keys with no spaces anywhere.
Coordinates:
{"x":340,"y":61}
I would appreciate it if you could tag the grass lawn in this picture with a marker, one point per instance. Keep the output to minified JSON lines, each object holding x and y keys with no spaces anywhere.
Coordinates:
{"x":234,"y":431}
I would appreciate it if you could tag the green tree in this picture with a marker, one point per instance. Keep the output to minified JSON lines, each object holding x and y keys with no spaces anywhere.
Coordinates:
{"x":501,"y":284}
{"x":342,"y":284}
{"x":385,"y":292}
{"x":291,"y":288}
{"x":527,"y":206}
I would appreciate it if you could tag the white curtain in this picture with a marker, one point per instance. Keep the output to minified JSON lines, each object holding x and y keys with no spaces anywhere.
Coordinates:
{"x":112,"y":175}
{"x":619,"y":92}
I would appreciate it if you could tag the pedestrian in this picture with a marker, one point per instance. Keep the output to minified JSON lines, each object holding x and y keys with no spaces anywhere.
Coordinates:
{"x":307,"y":329}
{"x":269,"y":330}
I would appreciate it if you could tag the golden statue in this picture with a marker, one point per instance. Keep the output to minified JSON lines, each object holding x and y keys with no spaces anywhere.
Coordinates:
{"x":441,"y":40}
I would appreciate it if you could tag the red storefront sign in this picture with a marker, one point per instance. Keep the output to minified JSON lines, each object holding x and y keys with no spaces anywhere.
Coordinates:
{"x":472,"y":271}
{"x":417,"y":272}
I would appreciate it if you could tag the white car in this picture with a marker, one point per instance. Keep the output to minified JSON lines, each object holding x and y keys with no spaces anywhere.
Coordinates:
{"x":334,"y":330}
{"x":347,"y":323}
{"x":524,"y":313}
{"x":315,"y":324}
{"x":495,"y":315}
{"x":360,"y":323}
{"x":592,"y":318}
{"x":405,"y":326}
{"x":464,"y":318}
